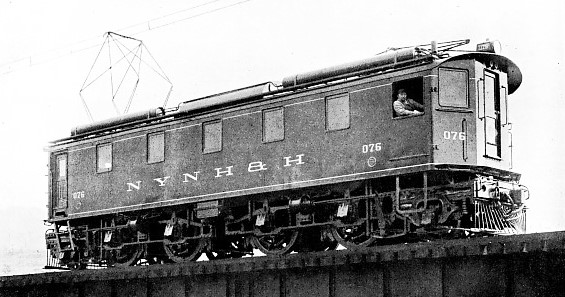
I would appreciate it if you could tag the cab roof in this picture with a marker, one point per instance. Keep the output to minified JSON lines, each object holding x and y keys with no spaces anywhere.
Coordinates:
{"x":497,"y":62}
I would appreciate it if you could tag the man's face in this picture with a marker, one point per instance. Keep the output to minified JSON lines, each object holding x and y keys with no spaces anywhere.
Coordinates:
{"x":402,"y":96}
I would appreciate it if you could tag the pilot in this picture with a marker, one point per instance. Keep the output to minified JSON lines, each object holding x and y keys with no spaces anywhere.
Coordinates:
{"x":404,"y":106}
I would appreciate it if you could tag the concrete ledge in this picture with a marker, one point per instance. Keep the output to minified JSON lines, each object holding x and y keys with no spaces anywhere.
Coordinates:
{"x":509,"y":265}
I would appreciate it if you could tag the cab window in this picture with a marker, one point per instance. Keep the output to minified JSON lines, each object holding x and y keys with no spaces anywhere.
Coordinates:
{"x":407,"y":97}
{"x":453,"y":88}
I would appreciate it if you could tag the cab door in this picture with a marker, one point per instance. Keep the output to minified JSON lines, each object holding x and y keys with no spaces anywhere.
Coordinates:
{"x":60,"y":188}
{"x":453,"y":116}
{"x":492,"y":116}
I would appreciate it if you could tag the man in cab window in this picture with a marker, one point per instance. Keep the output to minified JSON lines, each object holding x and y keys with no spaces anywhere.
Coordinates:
{"x":404,"y":106}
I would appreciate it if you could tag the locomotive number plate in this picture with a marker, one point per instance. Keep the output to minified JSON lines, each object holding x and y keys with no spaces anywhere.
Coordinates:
{"x":371,"y":147}
{"x":454,"y":135}
{"x":78,"y":195}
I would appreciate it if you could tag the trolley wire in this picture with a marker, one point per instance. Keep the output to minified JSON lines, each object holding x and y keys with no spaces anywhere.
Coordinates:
{"x":29,"y":61}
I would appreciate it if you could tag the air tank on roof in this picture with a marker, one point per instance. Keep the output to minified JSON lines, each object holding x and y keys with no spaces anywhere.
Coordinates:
{"x":117,"y":121}
{"x":384,"y":59}
{"x":226,"y":98}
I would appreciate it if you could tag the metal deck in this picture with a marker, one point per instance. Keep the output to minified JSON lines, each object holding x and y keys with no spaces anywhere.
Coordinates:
{"x":519,"y":265}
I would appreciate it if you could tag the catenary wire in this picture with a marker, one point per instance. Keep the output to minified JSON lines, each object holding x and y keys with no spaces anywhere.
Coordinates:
{"x":6,"y":68}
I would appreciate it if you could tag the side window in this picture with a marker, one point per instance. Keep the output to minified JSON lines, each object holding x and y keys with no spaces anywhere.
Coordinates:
{"x":62,"y":167}
{"x":337,"y":112}
{"x":453,"y":87}
{"x":408,"y":97}
{"x":273,"y":124}
{"x":104,"y":157}
{"x":156,"y":147}
{"x":212,"y":137}
{"x":60,"y":199}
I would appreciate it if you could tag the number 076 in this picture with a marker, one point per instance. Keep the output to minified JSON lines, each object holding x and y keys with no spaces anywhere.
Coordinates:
{"x":372,"y":147}
{"x":453,"y":135}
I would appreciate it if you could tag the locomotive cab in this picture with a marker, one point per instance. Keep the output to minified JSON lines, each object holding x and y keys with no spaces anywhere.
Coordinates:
{"x":470,"y":110}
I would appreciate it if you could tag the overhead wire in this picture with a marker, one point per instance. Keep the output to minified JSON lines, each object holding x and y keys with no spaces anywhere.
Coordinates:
{"x":168,"y":15}
{"x":6,"y":68}
{"x":200,"y":14}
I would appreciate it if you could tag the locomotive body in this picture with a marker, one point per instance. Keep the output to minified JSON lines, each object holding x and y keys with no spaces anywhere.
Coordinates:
{"x":321,"y":159}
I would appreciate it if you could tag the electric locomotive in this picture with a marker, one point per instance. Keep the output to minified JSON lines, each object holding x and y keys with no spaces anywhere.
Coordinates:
{"x":316,"y":161}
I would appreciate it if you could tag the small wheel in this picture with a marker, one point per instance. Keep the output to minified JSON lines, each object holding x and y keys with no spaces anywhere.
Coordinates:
{"x":119,"y":253}
{"x":183,"y":250}
{"x":353,"y":238}
{"x":180,"y":244}
{"x":276,"y":244}
{"x":127,"y":255}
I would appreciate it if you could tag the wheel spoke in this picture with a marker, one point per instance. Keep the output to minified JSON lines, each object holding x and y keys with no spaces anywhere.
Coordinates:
{"x":353,"y":237}
{"x":188,"y":250}
{"x":127,"y":255}
{"x":276,"y":244}
{"x":120,"y":253}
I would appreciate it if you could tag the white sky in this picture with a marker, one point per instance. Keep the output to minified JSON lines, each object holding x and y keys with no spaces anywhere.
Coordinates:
{"x":47,"y":49}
